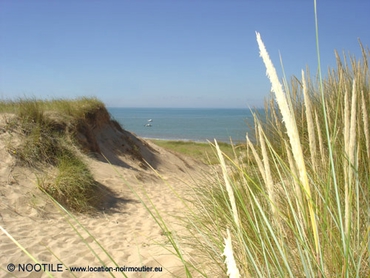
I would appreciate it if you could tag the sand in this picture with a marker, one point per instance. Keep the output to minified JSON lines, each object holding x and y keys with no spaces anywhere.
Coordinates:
{"x":123,"y":226}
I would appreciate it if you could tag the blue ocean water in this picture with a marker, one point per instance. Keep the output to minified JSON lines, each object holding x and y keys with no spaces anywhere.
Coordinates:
{"x":185,"y":123}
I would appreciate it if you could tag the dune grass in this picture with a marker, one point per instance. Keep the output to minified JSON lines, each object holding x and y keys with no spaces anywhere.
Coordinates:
{"x":299,"y":205}
{"x":33,"y":109}
{"x":46,"y":131}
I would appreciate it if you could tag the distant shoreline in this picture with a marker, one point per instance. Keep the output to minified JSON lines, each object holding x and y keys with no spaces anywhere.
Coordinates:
{"x":190,"y":141}
{"x":174,"y":140}
{"x":185,"y":141}
{"x":198,"y":125}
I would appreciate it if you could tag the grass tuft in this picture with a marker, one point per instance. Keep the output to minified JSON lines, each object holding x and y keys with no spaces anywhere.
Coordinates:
{"x":47,"y":135}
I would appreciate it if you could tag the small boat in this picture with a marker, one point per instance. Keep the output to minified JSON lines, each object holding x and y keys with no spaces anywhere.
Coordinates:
{"x":150,"y":120}
{"x":148,"y":125}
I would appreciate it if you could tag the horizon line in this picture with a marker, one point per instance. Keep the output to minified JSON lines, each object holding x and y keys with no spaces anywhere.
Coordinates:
{"x":166,"y":107}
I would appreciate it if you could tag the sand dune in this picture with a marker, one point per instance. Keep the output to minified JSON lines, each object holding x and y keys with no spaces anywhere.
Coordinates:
{"x":123,"y":226}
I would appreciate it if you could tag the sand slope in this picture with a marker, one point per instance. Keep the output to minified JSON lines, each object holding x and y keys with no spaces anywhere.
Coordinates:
{"x":123,"y":226}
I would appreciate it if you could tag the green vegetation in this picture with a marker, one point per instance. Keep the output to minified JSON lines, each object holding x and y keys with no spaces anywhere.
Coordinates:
{"x":47,"y":132}
{"x":298,"y":206}
{"x":198,"y":150}
{"x":33,"y":109}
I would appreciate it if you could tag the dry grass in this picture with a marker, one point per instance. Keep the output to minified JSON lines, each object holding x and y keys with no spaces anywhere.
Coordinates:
{"x":44,"y":135}
{"x":298,"y":205}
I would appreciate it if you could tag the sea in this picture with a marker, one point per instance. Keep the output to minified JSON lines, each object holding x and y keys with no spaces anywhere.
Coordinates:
{"x":186,"y":124}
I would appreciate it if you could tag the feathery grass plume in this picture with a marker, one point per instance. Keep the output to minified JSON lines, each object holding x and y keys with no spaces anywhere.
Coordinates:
{"x":350,"y":153}
{"x":365,"y":120}
{"x":353,"y":133}
{"x":346,"y":123}
{"x":229,"y":189}
{"x":310,"y":125}
{"x":293,"y":134}
{"x":232,"y":269}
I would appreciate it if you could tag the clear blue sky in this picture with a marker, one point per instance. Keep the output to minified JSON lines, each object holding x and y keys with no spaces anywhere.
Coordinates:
{"x":168,"y":53}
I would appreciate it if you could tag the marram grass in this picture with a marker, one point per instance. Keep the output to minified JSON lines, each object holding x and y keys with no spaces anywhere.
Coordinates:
{"x":232,"y":269}
{"x":47,"y":132}
{"x":299,"y":205}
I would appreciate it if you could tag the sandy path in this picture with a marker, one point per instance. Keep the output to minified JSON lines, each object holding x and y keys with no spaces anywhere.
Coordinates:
{"x":125,"y":228}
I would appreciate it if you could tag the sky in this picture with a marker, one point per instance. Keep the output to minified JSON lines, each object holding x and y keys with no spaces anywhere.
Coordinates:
{"x":169,"y":53}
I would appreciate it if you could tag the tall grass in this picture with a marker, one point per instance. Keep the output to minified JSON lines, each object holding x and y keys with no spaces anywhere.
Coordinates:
{"x":299,"y":206}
